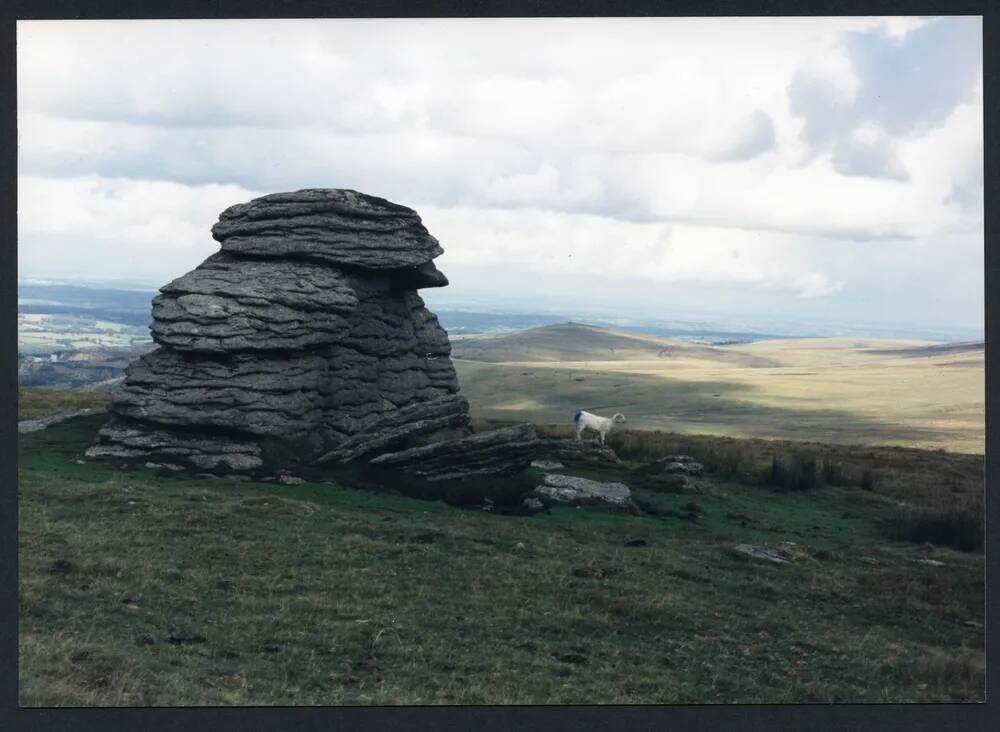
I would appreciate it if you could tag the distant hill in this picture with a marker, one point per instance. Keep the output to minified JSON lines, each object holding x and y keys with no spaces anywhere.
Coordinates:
{"x":131,"y":307}
{"x":576,"y":342}
{"x":937,"y":349}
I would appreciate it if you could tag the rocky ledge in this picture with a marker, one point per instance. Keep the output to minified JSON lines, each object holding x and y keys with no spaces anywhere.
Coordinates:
{"x":571,"y":449}
{"x":500,"y":451}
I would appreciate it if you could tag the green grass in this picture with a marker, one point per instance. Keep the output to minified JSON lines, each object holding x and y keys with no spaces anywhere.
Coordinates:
{"x":326,"y":594}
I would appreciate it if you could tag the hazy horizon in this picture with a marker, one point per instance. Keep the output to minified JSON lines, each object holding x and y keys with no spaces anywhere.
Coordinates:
{"x":825,"y":171}
{"x":525,"y":314}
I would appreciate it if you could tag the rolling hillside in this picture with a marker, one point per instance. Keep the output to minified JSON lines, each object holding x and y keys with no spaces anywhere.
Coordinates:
{"x":576,"y":342}
{"x":836,"y":390}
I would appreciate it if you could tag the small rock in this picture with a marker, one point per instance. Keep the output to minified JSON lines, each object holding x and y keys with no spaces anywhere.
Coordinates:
{"x":778,"y":556}
{"x":286,"y":479}
{"x":547,"y":464}
{"x":931,"y":562}
{"x":673,"y":483}
{"x":742,"y":517}
{"x":671,"y":464}
{"x":573,"y":489}
{"x":869,"y":560}
{"x":519,"y":545}
{"x":532,"y":504}
{"x":636,"y":542}
{"x":488,"y":505}
{"x":570,"y":657}
{"x":425,"y":538}
{"x":61,"y":566}
{"x":973,"y":624}
{"x":147,"y":639}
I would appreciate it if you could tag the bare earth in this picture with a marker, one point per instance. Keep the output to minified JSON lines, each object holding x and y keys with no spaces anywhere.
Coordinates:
{"x":847,"y":391}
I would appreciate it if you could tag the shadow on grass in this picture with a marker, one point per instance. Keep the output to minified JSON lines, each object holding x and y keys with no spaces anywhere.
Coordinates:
{"x":556,"y":394}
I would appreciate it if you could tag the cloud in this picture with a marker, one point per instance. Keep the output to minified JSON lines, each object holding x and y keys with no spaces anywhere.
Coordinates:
{"x":640,"y":150}
{"x":594,"y":246}
{"x":872,"y":158}
{"x":904,"y":82}
{"x":755,"y":136}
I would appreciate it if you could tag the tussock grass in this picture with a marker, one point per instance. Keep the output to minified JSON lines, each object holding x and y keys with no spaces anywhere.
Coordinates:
{"x":961,"y":672}
{"x":958,"y":526}
{"x":925,"y":479}
{"x":141,"y":589}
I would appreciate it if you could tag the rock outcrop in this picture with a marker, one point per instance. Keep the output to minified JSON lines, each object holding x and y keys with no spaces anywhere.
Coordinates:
{"x":26,"y":426}
{"x":571,"y":449}
{"x":303,"y":340}
{"x":496,"y":452}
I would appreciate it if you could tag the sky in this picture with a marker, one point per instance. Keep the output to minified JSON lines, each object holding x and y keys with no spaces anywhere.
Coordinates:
{"x":826,"y":169}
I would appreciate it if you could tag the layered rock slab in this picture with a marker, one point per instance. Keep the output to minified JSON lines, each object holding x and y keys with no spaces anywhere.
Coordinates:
{"x":330,"y":225}
{"x":230,"y":304}
{"x":497,"y":452}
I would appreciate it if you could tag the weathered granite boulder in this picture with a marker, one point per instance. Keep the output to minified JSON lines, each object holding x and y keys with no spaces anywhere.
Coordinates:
{"x":674,"y":464}
{"x":575,"y":490}
{"x":304,"y":340}
{"x":569,"y":448}
{"x":501,"y":451}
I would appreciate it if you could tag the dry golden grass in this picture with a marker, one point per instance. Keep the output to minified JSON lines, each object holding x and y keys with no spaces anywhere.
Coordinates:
{"x":843,"y":391}
{"x":34,"y":403}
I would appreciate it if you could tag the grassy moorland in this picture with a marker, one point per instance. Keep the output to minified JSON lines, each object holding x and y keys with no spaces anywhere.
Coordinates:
{"x":141,"y":589}
{"x":844,"y":391}
{"x":34,"y":403}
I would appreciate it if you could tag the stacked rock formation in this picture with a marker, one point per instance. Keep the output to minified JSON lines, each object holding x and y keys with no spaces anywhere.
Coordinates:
{"x":302,"y":341}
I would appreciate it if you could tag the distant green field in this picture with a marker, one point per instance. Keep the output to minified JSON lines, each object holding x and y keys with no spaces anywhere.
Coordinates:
{"x":46,"y":333}
{"x":136,"y":589}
